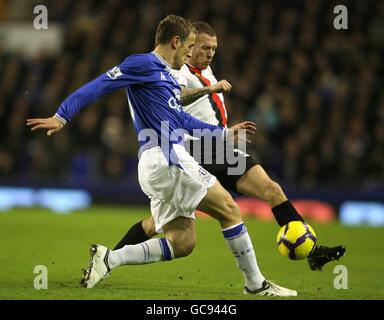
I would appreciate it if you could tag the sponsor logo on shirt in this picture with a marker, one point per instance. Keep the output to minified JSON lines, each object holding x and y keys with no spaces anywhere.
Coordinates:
{"x":174,"y":103}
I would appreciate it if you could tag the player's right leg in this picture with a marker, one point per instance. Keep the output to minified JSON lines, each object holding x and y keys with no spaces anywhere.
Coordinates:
{"x":219,"y":204}
{"x":256,"y":183}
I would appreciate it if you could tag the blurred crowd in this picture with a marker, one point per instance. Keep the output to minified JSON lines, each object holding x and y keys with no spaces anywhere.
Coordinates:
{"x":315,"y":93}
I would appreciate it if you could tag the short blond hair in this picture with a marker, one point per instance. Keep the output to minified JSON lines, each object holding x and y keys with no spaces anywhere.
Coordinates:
{"x":203,"y":27}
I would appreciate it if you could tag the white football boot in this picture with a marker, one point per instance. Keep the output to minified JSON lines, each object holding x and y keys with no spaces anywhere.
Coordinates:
{"x":98,"y":268}
{"x":271,"y":289}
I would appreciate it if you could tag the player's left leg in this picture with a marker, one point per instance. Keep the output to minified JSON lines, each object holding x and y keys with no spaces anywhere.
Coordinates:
{"x":179,"y":241}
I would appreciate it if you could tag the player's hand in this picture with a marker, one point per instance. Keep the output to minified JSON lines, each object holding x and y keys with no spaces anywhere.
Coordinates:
{"x":221,"y":86}
{"x":242,"y":130}
{"x":52,"y":124}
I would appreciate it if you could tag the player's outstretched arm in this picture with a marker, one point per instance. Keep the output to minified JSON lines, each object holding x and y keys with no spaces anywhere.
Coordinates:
{"x":52,"y":125}
{"x":75,"y":102}
{"x":190,"y":95}
{"x":132,"y":70}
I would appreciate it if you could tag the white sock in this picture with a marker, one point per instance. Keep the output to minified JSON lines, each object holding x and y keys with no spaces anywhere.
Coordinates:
{"x":150,"y":251}
{"x":240,"y":243}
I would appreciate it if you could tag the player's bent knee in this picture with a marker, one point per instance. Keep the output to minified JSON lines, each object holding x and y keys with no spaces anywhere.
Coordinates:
{"x":183,"y":248}
{"x":272,"y":190}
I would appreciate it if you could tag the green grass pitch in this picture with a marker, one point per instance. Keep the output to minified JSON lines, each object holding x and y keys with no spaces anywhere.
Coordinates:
{"x":31,"y":237}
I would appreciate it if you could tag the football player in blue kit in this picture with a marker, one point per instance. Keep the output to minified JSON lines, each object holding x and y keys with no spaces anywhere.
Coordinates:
{"x":171,"y":178}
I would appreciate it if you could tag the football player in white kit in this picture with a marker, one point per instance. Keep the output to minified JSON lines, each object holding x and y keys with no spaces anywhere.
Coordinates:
{"x":202,"y":97}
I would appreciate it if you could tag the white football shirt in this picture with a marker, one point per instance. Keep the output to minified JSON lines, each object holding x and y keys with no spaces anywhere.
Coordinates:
{"x":208,"y":108}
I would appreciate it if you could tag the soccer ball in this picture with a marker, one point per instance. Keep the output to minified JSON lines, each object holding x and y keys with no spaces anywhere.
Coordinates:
{"x":296,"y":240}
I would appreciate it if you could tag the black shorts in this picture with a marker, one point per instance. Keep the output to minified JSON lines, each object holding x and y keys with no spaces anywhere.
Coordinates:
{"x":219,"y":165}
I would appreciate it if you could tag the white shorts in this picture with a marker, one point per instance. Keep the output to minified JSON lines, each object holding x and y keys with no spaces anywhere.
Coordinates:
{"x":174,"y":191}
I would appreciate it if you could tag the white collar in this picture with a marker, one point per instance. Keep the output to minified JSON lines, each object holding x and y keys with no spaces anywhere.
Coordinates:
{"x":168,"y":66}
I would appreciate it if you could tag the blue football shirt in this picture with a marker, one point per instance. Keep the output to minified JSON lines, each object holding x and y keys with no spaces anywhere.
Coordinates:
{"x":153,"y":98}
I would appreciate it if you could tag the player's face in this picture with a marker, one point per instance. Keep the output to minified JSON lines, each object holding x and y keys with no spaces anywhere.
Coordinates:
{"x":204,"y":50}
{"x":184,"y":51}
